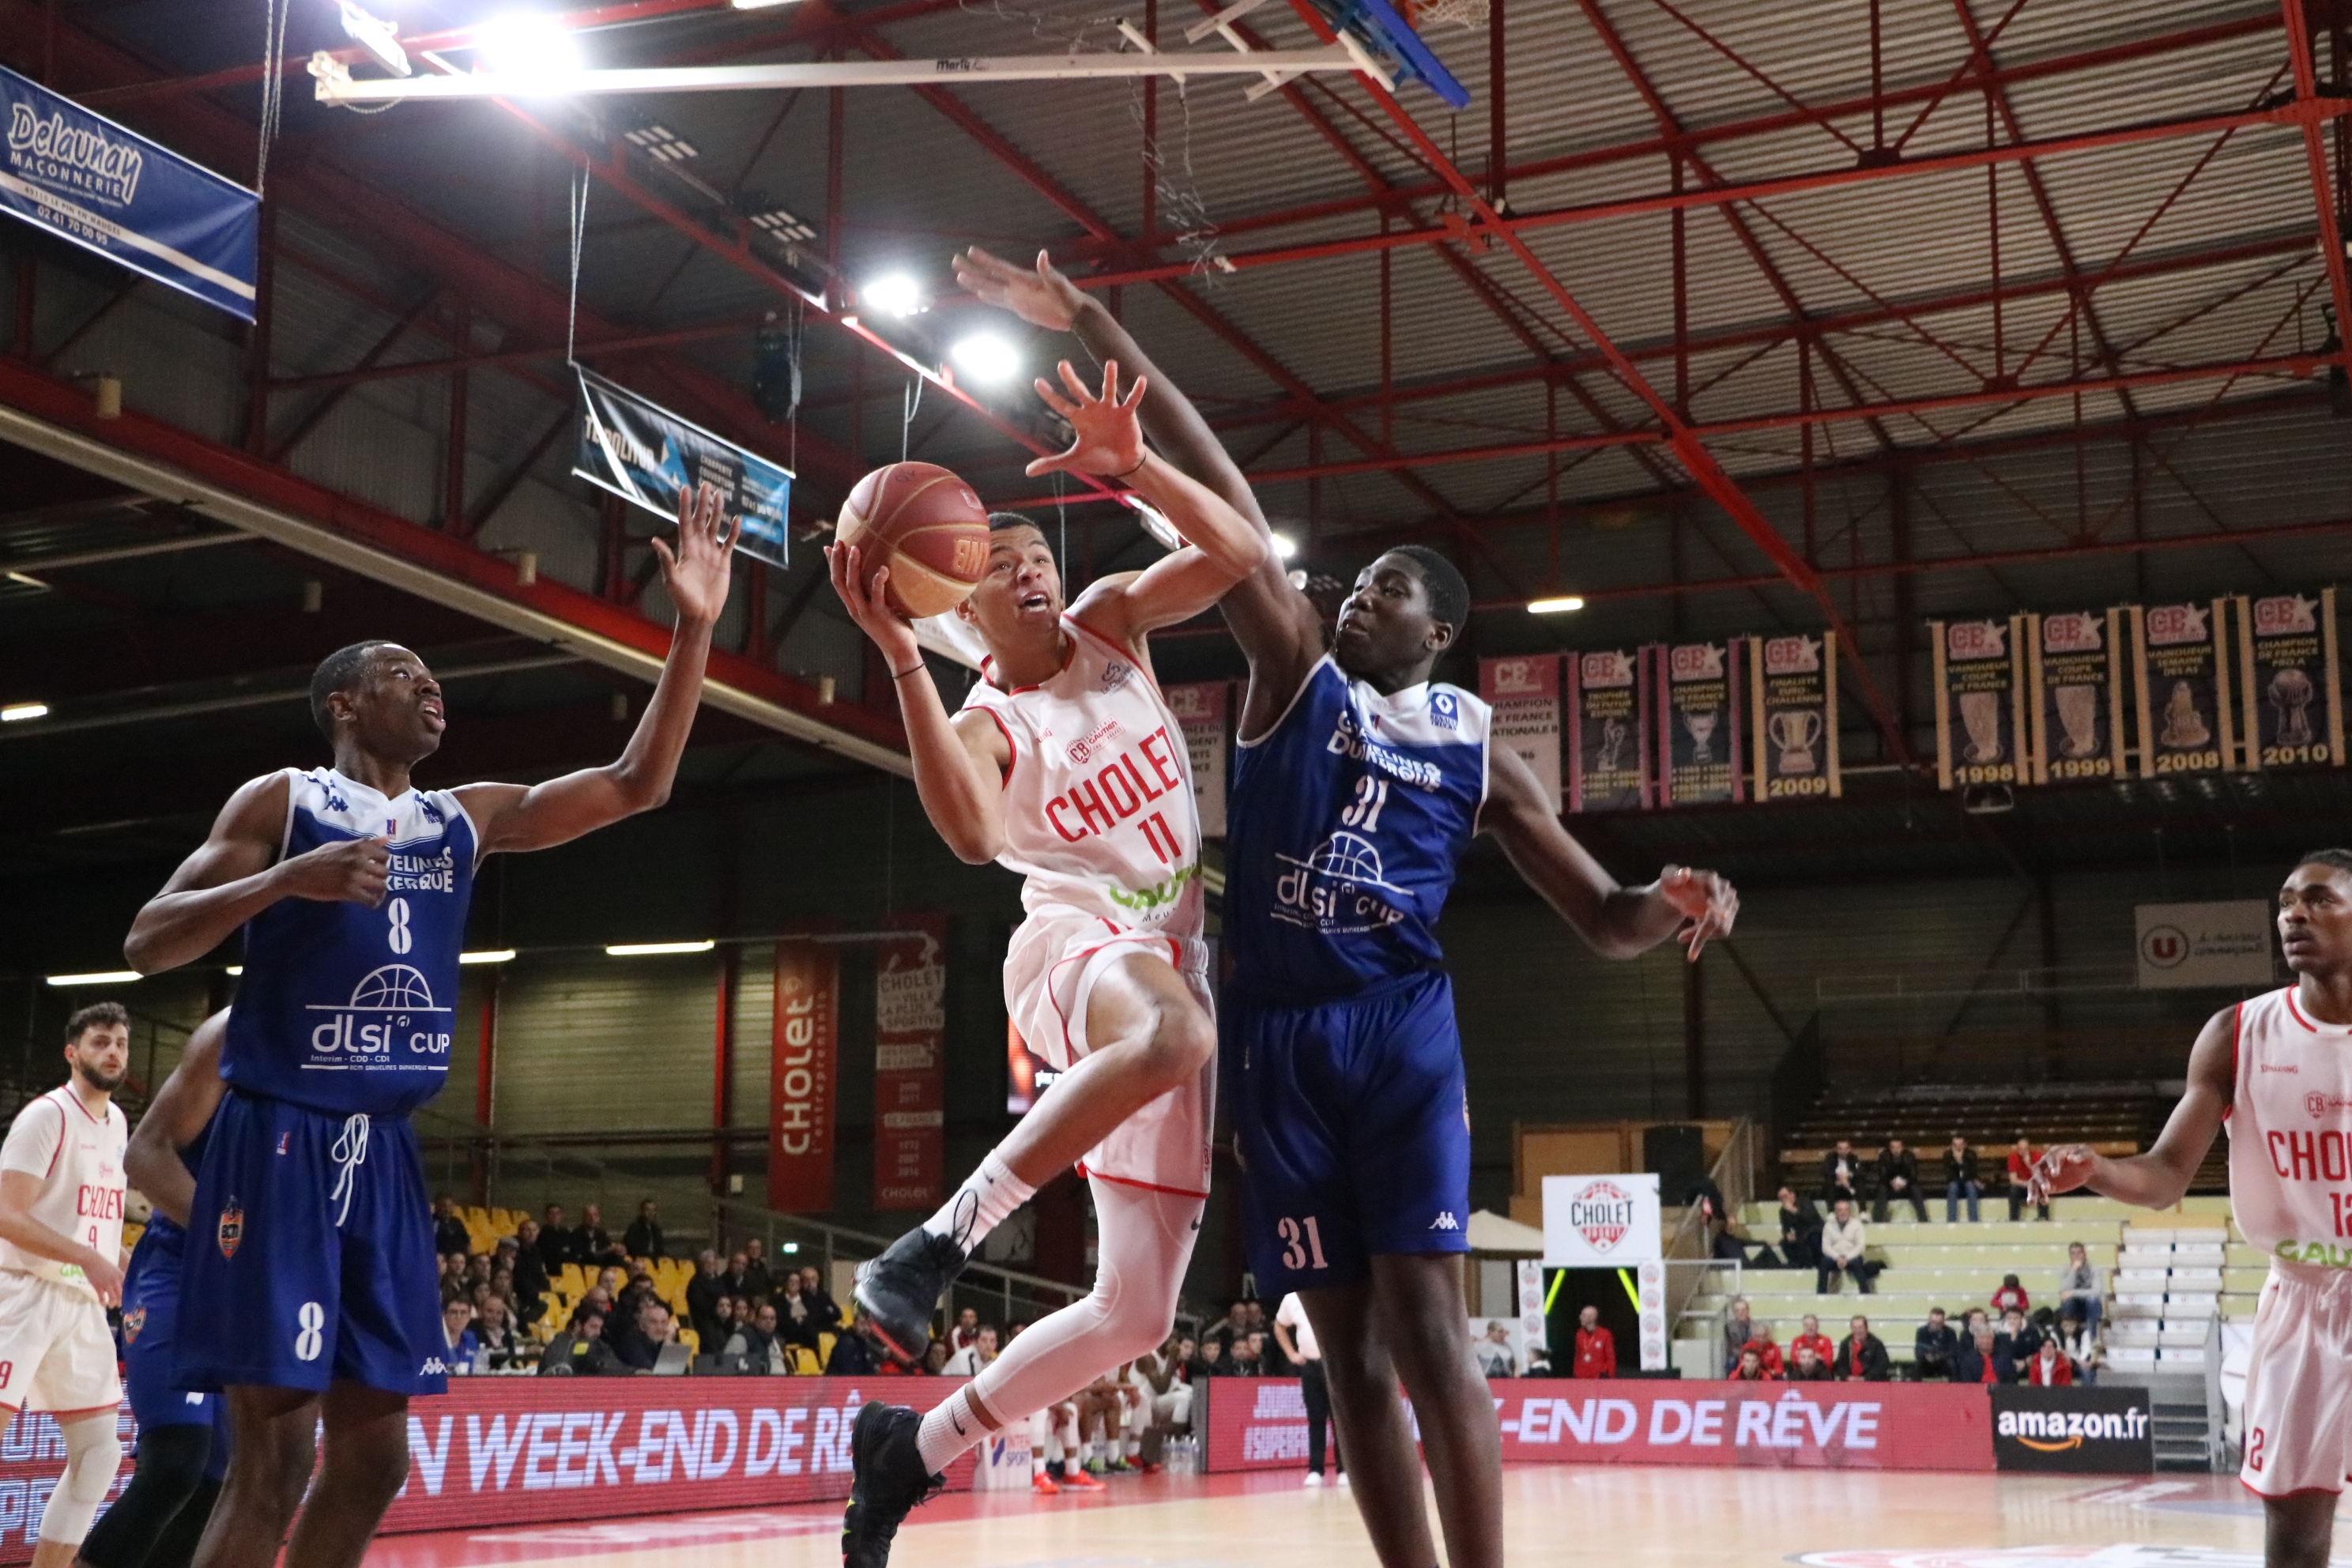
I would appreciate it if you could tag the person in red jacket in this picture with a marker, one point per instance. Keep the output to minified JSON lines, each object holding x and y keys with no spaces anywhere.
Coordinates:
{"x":1767,"y":1352}
{"x":1596,"y":1348}
{"x":2020,"y":1179}
{"x":2049,"y":1369}
{"x":1824,"y":1348}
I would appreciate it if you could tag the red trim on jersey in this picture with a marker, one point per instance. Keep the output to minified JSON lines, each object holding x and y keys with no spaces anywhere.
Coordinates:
{"x":1145,"y":1186}
{"x":1009,"y":743}
{"x":66,"y":1089}
{"x":2237,"y":1027}
{"x":1070,"y":1047}
{"x":2299,"y":1018}
{"x":1067,"y":660}
{"x":1132,"y":656}
{"x":2299,"y":1491}
{"x":92,"y":1410}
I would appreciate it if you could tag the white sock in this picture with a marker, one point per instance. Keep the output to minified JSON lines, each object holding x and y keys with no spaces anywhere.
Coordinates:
{"x":988,"y":1195}
{"x":948,"y":1430}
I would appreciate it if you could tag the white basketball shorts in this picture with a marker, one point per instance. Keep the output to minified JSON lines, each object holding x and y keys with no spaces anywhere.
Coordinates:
{"x":1050,"y":971}
{"x":2298,"y":1414}
{"x":56,"y":1352}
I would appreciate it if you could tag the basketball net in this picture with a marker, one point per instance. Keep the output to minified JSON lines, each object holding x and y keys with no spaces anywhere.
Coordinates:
{"x":1426,"y":14}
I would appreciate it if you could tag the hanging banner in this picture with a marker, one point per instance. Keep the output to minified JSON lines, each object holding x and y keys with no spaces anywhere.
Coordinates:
{"x":2186,"y":946}
{"x":1609,"y":719}
{"x":2289,"y":689}
{"x":650,"y":456}
{"x":97,"y":185}
{"x":911,"y":1081}
{"x":2078,"y":694}
{"x":1698,"y":737}
{"x":1980,"y":727}
{"x":804,"y":1044}
{"x":1524,"y":692}
{"x":1792,"y":691}
{"x":2181,"y":664}
{"x":1201,"y":710}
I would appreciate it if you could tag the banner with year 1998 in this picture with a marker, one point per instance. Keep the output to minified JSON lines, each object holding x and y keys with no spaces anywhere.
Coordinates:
{"x":1980,"y":730}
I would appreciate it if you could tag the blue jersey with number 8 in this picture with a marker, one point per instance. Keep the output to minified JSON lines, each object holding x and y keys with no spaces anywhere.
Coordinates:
{"x":344,"y":1009}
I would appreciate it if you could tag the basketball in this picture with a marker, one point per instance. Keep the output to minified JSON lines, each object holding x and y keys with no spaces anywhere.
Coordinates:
{"x":927,"y":526}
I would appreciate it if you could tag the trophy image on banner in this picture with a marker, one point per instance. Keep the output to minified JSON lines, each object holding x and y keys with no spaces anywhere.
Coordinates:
{"x":1610,"y":702}
{"x":1796,"y":733}
{"x":1980,"y":685}
{"x":2077,"y":695}
{"x":1792,"y":689}
{"x":1699,"y":746}
{"x":2289,"y":688}
{"x":2180,"y":662}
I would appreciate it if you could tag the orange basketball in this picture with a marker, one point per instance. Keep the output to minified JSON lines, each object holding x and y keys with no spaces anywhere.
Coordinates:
{"x":927,"y":526}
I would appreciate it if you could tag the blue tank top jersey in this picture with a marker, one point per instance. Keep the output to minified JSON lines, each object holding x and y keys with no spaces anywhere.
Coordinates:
{"x":349,"y":1009}
{"x":1345,"y":825}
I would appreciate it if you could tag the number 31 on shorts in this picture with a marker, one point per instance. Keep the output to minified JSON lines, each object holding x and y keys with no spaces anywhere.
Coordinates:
{"x":1302,"y":1240}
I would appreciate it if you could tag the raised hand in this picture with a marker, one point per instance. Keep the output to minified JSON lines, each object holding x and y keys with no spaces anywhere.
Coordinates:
{"x":1106,"y":432}
{"x":350,"y":871}
{"x":869,"y":606}
{"x":1708,"y":903}
{"x":701,"y":570}
{"x":1042,"y":297}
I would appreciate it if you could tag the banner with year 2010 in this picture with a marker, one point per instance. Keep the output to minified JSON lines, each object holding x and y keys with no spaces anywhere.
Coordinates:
{"x":1792,"y":691}
{"x":911,"y":1021}
{"x":2076,"y":665}
{"x":1609,"y":719}
{"x":803,"y":1047}
{"x":1524,"y":692}
{"x":1201,"y":710}
{"x":2180,"y":668}
{"x":1980,"y":726}
{"x":1699,"y":735}
{"x":2289,"y":689}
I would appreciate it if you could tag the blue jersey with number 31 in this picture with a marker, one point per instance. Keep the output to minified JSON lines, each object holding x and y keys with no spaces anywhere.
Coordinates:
{"x":1347,"y":821}
{"x":345,"y":1008}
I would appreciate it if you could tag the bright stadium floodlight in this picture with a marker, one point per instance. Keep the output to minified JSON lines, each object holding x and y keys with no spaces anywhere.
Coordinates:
{"x":1284,"y":546}
{"x":97,"y":977}
{"x":986,"y":358}
{"x":758,"y":4}
{"x":893,"y":294}
{"x":1559,"y":606}
{"x":530,"y":48}
{"x":656,"y":949}
{"x":380,"y":39}
{"x":234,"y":970}
{"x":18,"y":712}
{"x":489,"y":955}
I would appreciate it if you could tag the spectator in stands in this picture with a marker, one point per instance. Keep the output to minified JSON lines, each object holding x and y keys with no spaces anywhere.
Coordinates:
{"x":1596,"y":1347}
{"x":2050,"y":1368}
{"x":580,"y":1351}
{"x":494,"y":1326}
{"x":2018,"y":1338}
{"x":756,"y":1341}
{"x":1738,"y":1328}
{"x":1898,"y":1181}
{"x":856,"y":1354}
{"x":2080,"y":1289}
{"x":592,"y":1241}
{"x":975,"y":1353}
{"x":823,"y":1308}
{"x":1840,"y":1174}
{"x":2078,"y":1339}
{"x":1236,"y":1322}
{"x":798,"y":1324}
{"x":2021,"y":1180}
{"x":460,"y":1346}
{"x":702,"y":1294}
{"x":759,"y":1281}
{"x":1494,"y":1352}
{"x":596,"y":1295}
{"x":454,"y":1281}
{"x":501,"y":1288}
{"x":2010,"y":1294}
{"x":1749,"y":1368}
{"x":1247,"y":1358}
{"x":731,"y":1280}
{"x":935,"y":1357}
{"x":555,"y":1242}
{"x":449,"y":1232}
{"x":1961,"y":1181}
{"x":476,"y":1271}
{"x":1934,"y":1348}
{"x":1843,"y":1240}
{"x":966,"y":1329}
{"x":1207,"y":1360}
{"x":1974,"y":1322}
{"x":644,"y":1236}
{"x":531,"y":1269}
{"x":1862,"y":1357}
{"x":1766,"y":1350}
{"x":1809,"y":1333}
{"x":1982,"y":1360}
{"x":1809,"y":1367}
{"x":655,"y":1328}
{"x":1801,"y":1231}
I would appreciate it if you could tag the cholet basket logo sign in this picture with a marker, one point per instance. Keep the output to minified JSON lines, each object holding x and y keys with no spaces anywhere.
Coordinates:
{"x":1601,"y":1213}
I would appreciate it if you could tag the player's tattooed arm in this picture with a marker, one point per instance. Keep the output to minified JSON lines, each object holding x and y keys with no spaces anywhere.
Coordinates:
{"x":235,"y":874}
{"x":1691,"y":905}
{"x":175,"y":1117}
{"x":2159,"y":1178}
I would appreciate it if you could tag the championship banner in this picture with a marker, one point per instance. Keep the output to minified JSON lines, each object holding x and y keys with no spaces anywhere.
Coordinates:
{"x":650,"y":456}
{"x":1201,"y":710}
{"x":1524,"y":692}
{"x":1980,"y":726}
{"x":1609,"y":716}
{"x":94,"y":183}
{"x":2075,"y":1431}
{"x":2078,"y":702}
{"x":2290,"y":691}
{"x":805,"y":1042}
{"x":1699,"y":737}
{"x":1260,"y":1424}
{"x":1792,"y":691}
{"x":2180,"y":668}
{"x":911,"y":1077}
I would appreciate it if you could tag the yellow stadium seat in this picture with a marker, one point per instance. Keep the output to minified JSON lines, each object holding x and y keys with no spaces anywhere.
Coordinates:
{"x":691,"y":1340}
{"x":825,"y":1343}
{"x":475,"y":1216}
{"x":572,"y":1279}
{"x":805,"y":1360}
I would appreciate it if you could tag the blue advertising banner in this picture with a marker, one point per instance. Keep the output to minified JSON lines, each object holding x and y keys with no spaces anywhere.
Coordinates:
{"x":647,"y":455}
{"x":87,"y":180}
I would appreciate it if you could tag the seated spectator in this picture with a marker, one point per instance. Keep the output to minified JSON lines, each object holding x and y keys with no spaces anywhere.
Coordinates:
{"x":1843,"y":1240}
{"x":644,"y":1236}
{"x":1934,"y":1348}
{"x":1738,"y":1328}
{"x":1862,"y":1357}
{"x":1810,"y":1334}
{"x":556,"y":1242}
{"x":724,"y":1318}
{"x":2080,"y":1288}
{"x":794,"y":1321}
{"x":449,"y":1232}
{"x":1207,"y":1360}
{"x":1596,"y":1347}
{"x":976,"y":1353}
{"x":966,"y":1329}
{"x":640,"y":1344}
{"x":826,"y":1310}
{"x":935,"y":1358}
{"x":1809,"y":1367}
{"x":591,"y":1243}
{"x":1961,"y":1180}
{"x":2050,"y":1368}
{"x":1982,"y":1360}
{"x":1897,"y":1182}
{"x":732,"y":1279}
{"x":459,"y":1344}
{"x":1494,"y":1352}
{"x":580,"y":1351}
{"x":1767,"y":1349}
{"x":453,"y":1277}
{"x":2010,"y":1294}
{"x":1247,"y":1358}
{"x":2020,"y":1179}
{"x":1973,"y":1322}
{"x":476,"y":1271}
{"x":1801,"y":1231}
{"x":2079,"y":1342}
{"x":494,"y":1328}
{"x":1840,"y":1174}
{"x":857,"y":1353}
{"x":759,"y":1281}
{"x":1749,"y":1368}
{"x":702,"y":1294}
{"x":531,"y":1281}
{"x":756,"y":1340}
{"x":2018,"y":1338}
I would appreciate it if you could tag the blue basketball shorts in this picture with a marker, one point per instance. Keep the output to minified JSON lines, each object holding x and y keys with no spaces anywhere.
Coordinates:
{"x":311,"y":1256}
{"x":1353,"y":1130}
{"x":150,"y":1311}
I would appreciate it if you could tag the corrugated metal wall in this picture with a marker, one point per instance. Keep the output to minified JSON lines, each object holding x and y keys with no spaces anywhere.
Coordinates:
{"x":599,"y":1043}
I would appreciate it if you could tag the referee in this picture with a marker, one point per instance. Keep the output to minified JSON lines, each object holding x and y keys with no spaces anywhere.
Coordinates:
{"x":1295,"y":1335}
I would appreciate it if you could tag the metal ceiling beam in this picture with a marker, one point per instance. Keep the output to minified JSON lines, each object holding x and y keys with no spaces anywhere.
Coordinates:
{"x":2314,"y":147}
{"x":32,"y":565}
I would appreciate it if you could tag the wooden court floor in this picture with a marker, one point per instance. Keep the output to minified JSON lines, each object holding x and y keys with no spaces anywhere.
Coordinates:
{"x":1624,"y":1518}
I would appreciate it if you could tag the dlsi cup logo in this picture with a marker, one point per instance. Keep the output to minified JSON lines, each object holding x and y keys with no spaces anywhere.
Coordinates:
{"x":1602,"y":1213}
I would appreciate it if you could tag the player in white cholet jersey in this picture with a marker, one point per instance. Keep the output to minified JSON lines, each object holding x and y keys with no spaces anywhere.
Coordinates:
{"x":61,"y":1190}
{"x":2275,"y":1072}
{"x":1066,"y":766}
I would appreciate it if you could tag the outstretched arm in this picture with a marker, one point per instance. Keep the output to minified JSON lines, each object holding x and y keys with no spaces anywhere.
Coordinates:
{"x":516,"y":817}
{"x":1691,"y":905}
{"x":177,"y":1113}
{"x":2160,"y":1177}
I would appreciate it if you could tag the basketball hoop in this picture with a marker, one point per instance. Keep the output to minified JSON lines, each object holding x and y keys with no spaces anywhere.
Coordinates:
{"x":1467,"y":15}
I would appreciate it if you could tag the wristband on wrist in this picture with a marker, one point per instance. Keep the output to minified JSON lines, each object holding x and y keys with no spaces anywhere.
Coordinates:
{"x":1137,"y":468}
{"x":902,"y":674}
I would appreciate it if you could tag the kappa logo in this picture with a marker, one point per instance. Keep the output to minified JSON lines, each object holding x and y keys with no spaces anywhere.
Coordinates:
{"x":133,"y":1322}
{"x":230,"y":1232}
{"x":434,"y":1367}
{"x":1444,"y":1221}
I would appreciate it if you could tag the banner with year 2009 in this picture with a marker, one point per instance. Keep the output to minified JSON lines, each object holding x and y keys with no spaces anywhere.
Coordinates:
{"x":2180,"y":667}
{"x":1792,"y":691}
{"x":1609,"y":719}
{"x":2076,"y":665}
{"x":1523,"y":689}
{"x":2289,"y":689}
{"x":1980,"y":728}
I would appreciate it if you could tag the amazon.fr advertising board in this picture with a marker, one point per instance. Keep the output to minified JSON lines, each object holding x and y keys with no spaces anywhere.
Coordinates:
{"x":1260,"y":1424}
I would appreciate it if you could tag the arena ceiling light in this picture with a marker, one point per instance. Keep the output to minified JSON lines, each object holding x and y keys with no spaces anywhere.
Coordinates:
{"x":98,"y":977}
{"x":18,"y":712}
{"x":758,"y":5}
{"x":379,"y":38}
{"x":986,"y":358}
{"x":534,"y":51}
{"x":1284,"y":546}
{"x":1564,"y":604}
{"x":893,"y":294}
{"x":489,"y":955}
{"x":656,"y":949}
